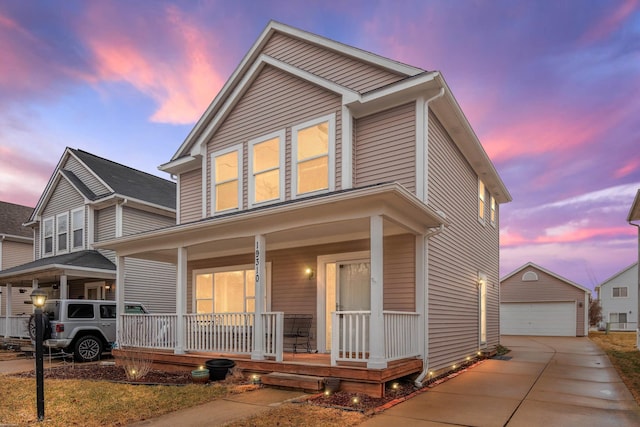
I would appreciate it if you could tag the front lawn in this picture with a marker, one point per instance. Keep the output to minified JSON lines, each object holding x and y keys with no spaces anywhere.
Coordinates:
{"x":625,"y":357}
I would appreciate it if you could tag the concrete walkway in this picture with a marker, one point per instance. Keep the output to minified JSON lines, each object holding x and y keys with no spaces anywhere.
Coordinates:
{"x":549,"y":381}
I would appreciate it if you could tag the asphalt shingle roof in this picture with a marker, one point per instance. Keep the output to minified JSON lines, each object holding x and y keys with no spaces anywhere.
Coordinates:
{"x":87,"y":259}
{"x":12,"y":217}
{"x":131,"y":182}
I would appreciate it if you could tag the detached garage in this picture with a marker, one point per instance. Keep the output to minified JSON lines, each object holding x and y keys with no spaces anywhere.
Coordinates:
{"x":535,"y":301}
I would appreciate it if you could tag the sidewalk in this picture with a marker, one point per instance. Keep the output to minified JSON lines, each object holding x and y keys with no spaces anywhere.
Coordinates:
{"x":222,"y":411}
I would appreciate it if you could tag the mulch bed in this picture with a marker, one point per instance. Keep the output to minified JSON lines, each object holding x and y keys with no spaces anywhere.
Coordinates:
{"x":110,"y":373}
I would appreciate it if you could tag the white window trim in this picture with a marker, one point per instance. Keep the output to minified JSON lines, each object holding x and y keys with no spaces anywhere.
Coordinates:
{"x":74,"y":228}
{"x":331,"y":119}
{"x":231,"y":268}
{"x":620,"y":287}
{"x":482,"y":199}
{"x":56,"y":234}
{"x":53,"y":237}
{"x":237,"y":148}
{"x":281,"y":135}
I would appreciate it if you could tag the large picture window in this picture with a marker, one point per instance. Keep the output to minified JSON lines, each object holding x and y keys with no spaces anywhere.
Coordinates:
{"x":226,"y":179}
{"x":313,"y":156}
{"x":266,"y":161}
{"x":226,"y":290}
{"x":47,"y":236}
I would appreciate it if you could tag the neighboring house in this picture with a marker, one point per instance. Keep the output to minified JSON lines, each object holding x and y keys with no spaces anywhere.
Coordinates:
{"x":634,"y":219}
{"x":89,"y":199}
{"x":618,"y":297}
{"x":535,"y":301}
{"x":328,"y":181}
{"x":16,"y":247}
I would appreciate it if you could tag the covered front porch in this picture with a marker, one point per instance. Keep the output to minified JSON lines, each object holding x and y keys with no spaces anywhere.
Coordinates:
{"x":352,"y":260}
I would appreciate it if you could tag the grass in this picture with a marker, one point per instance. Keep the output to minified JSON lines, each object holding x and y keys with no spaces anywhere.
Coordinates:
{"x":302,"y":415}
{"x":624,"y":356}
{"x":98,"y":403}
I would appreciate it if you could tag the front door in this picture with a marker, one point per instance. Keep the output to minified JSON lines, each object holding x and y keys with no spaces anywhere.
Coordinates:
{"x":348,"y":289}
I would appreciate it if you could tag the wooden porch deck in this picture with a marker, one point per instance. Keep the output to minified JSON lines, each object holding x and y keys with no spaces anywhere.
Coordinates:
{"x":354,"y":377}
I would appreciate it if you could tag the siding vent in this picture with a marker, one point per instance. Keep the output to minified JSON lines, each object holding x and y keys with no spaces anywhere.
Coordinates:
{"x":530,"y":276}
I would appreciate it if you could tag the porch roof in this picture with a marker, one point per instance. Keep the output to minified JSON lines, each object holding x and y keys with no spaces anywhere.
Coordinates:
{"x":334,"y":217}
{"x":86,"y":263}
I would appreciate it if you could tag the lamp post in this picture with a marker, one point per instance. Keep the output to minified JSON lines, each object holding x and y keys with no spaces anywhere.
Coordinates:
{"x":38,"y":298}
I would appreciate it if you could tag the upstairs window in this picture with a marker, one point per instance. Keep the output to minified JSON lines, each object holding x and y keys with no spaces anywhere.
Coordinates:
{"x":266,"y":161}
{"x":47,"y":236}
{"x":62,"y":232}
{"x":313,"y":156}
{"x":620,"y":292}
{"x":227,"y":179}
{"x":493,"y":211}
{"x":77,"y":227}
{"x":481,"y":201}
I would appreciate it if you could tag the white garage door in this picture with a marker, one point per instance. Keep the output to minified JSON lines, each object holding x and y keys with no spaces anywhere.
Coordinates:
{"x":542,"y":318}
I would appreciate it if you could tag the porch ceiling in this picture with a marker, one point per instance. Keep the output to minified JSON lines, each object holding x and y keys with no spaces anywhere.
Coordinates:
{"x":335,"y":217}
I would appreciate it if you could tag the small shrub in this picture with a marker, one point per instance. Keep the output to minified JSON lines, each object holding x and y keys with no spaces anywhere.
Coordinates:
{"x":136,"y":365}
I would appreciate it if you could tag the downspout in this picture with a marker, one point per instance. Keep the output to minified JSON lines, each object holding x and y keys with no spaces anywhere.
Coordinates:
{"x":425,"y":352}
{"x":425,"y":370}
{"x":638,"y":290}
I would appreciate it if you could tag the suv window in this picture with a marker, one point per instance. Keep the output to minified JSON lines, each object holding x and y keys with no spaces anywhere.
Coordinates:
{"x":80,"y":311}
{"x":108,"y":311}
{"x":134,"y":309}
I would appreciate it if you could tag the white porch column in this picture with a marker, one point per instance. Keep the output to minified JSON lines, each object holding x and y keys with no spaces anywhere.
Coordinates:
{"x":422,"y":293}
{"x":376,"y":326}
{"x":120,"y":275}
{"x":181,"y":300}
{"x":8,"y":297}
{"x":260,"y":289}
{"x":64,"y":288}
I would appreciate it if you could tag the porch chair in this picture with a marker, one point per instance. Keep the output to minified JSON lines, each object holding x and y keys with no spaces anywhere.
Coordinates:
{"x":297,"y":330}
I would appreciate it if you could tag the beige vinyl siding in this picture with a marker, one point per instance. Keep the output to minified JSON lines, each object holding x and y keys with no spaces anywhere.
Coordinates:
{"x":36,"y":242}
{"x":546,"y":289}
{"x":190,"y":196}
{"x":456,"y":256}
{"x":275,"y":101}
{"x":330,"y":65}
{"x":293,"y":292}
{"x":15,"y":253}
{"x":151,"y":283}
{"x":64,"y":198}
{"x":105,"y":224}
{"x":136,"y":221}
{"x":18,"y":306}
{"x":385,"y":148}
{"x":88,"y":178}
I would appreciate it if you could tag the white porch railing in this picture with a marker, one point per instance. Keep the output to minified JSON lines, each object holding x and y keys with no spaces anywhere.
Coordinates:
{"x":401,"y":334}
{"x":149,"y":331}
{"x":273,"y":327}
{"x":220,"y":333}
{"x":15,"y":326}
{"x":350,"y":336}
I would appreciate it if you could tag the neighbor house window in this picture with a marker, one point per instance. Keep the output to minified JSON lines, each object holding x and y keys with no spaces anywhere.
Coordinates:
{"x":77,"y":228}
{"x":313,"y":156}
{"x":617,"y":318}
{"x":47,"y":236}
{"x":620,"y":292}
{"x":62,"y":232}
{"x":266,"y":162}
{"x":226,"y":290}
{"x":226,"y":172}
{"x":493,"y":210}
{"x":481,"y":199}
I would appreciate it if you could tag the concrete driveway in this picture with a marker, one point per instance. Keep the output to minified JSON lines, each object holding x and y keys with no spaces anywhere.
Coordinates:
{"x":549,"y":381}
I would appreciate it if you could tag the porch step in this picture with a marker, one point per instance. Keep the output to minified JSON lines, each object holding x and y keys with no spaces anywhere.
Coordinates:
{"x":299,"y":382}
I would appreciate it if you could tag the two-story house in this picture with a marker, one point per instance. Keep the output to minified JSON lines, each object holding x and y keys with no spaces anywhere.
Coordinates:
{"x":331,"y":182}
{"x":618,"y":296}
{"x":89,"y":199}
{"x":16,"y":247}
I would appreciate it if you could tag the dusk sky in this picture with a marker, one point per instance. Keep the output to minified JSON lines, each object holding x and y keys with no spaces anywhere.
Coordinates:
{"x":551,"y":88}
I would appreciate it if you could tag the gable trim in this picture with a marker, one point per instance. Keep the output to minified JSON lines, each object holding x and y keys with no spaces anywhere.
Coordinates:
{"x":550,"y":273}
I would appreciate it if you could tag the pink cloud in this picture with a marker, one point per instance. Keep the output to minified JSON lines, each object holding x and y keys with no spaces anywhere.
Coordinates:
{"x":611,"y":22}
{"x":628,"y":168}
{"x":182,"y":83}
{"x":23,"y":177}
{"x":570,"y":235}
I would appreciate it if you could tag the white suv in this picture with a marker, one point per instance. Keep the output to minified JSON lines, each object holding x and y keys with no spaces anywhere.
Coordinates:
{"x":82,"y":327}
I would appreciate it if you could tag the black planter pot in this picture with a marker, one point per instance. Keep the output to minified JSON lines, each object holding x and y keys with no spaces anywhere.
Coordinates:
{"x":219,"y":368}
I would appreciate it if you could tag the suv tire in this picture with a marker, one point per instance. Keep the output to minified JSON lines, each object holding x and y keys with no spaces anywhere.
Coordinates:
{"x":87,"y":349}
{"x":46,"y":327}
